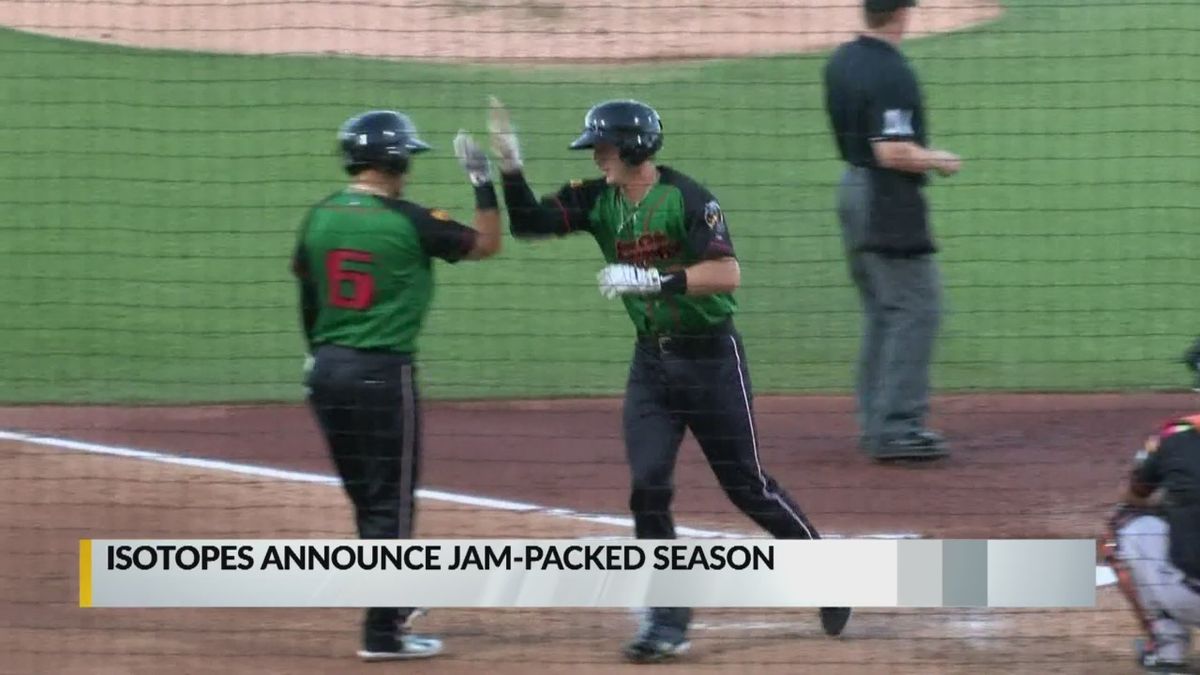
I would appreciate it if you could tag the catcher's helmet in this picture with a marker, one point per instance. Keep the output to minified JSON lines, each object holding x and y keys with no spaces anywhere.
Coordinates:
{"x":382,"y":139}
{"x":632,"y":126}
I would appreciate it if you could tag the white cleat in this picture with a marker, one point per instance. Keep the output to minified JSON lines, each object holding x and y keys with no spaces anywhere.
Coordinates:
{"x":407,"y":647}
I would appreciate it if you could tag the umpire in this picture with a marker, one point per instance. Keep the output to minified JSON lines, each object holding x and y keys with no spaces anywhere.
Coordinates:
{"x":364,"y":264}
{"x":878,"y":120}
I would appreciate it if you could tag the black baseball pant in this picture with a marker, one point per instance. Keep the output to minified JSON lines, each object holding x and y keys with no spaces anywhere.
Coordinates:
{"x":366,"y":405}
{"x":701,"y":383}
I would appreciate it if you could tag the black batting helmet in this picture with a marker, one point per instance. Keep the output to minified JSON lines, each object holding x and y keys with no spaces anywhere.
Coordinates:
{"x":382,"y":139}
{"x":632,"y":126}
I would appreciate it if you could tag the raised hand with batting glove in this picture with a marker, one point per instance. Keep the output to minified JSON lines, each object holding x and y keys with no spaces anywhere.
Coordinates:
{"x":504,"y":138}
{"x":473,"y":159}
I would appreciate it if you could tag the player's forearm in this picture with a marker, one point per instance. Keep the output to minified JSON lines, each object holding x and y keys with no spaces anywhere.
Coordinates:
{"x":487,"y":223}
{"x":488,"y":236}
{"x":527,"y":216}
{"x":714,"y":276}
{"x":906,"y":156}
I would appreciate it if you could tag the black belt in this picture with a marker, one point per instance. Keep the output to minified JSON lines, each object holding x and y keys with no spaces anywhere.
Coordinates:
{"x":710,"y":341}
{"x":342,"y":352}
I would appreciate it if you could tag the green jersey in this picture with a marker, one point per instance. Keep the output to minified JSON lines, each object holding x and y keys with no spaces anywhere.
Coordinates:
{"x":365,"y":269}
{"x":677,"y":224}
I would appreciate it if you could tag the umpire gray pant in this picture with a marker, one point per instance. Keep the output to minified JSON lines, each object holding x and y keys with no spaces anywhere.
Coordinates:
{"x":901,"y":300}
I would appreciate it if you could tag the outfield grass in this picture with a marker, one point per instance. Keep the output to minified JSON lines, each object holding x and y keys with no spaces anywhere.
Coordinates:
{"x":152,"y":199}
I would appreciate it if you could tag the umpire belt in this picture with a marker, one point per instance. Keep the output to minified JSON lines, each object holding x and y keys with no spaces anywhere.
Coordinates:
{"x":711,"y":342}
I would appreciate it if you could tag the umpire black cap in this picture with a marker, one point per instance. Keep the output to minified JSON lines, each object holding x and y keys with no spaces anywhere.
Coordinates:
{"x":382,"y":139}
{"x":887,"y":5}
{"x":632,"y":126}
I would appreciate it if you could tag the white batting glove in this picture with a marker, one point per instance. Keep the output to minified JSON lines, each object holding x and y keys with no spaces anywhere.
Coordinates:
{"x":504,"y":139}
{"x":309,"y":361}
{"x":473,"y":159}
{"x":628,"y":280}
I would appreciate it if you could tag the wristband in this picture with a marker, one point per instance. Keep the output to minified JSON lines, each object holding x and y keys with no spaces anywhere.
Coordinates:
{"x":485,"y":197}
{"x":674,"y":283}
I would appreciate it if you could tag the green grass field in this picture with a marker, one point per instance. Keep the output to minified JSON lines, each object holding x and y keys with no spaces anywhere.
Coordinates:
{"x":152,"y":198}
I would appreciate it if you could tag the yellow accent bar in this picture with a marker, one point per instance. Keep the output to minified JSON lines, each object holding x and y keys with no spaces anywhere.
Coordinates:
{"x":85,"y":572}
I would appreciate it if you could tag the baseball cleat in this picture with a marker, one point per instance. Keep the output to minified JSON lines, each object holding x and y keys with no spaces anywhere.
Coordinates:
{"x":913,"y":446}
{"x":1149,"y":660}
{"x":401,"y":648}
{"x":834,"y":619}
{"x":649,"y":650}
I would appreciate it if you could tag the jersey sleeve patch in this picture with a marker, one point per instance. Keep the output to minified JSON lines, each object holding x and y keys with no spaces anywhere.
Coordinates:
{"x":708,"y":233}
{"x":440,"y":214}
{"x":897,"y":122}
{"x":713,"y":215}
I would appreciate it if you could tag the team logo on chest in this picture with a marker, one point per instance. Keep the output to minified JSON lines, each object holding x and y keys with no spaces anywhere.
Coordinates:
{"x":647,"y":249}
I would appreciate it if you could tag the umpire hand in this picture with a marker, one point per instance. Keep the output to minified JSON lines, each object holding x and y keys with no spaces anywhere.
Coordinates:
{"x":946,"y":163}
{"x":504,"y":139}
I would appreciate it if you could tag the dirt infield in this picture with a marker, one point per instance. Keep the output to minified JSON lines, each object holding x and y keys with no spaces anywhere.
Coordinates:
{"x":1040,"y":466}
{"x":528,"y":31}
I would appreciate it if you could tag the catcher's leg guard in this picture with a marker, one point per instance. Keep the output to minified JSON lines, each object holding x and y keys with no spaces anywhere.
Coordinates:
{"x":1165,"y":606}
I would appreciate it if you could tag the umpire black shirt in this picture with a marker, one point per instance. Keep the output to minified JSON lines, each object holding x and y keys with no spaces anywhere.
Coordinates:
{"x":871,"y":94}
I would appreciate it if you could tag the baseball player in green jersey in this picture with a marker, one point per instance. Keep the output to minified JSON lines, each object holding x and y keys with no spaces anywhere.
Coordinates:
{"x":671,"y":261}
{"x":364,"y":263}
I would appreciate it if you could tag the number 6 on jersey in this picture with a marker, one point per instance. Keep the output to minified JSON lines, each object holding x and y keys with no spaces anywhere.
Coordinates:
{"x":341,"y":278}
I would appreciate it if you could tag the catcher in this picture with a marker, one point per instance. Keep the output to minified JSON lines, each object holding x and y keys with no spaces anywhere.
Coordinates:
{"x":1152,"y":542}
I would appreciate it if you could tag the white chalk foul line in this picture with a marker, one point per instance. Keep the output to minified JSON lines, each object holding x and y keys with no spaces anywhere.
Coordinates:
{"x":1104,"y":575}
{"x":325,"y":479}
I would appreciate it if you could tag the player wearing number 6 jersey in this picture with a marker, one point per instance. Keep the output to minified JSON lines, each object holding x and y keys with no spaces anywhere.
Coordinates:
{"x":364,"y":261}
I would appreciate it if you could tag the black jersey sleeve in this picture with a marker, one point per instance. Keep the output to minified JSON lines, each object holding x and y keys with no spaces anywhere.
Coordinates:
{"x":555,"y":215}
{"x":1148,"y":470}
{"x":893,"y":100}
{"x":708,"y":235}
{"x":1180,"y":436}
{"x":441,"y":236}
